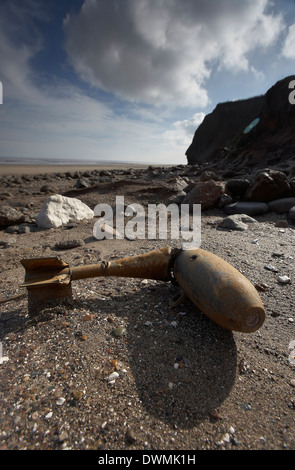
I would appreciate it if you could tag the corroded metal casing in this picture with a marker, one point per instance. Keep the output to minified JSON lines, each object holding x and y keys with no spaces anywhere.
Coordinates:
{"x":219,"y":290}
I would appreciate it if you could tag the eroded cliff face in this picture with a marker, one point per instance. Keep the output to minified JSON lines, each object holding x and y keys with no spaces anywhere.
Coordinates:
{"x":221,"y":127}
{"x":220,"y":139}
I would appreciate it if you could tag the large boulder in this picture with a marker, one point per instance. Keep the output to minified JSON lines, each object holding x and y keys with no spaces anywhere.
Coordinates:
{"x":206,"y":193}
{"x":269,"y":185}
{"x":58,"y":210}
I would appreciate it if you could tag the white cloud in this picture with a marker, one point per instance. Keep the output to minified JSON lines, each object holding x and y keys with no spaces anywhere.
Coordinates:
{"x":182,"y":132}
{"x":289,"y":45}
{"x":162,"y":52}
{"x":155,"y":54}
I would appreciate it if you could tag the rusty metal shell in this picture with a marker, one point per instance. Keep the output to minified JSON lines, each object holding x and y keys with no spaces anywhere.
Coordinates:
{"x":219,"y":290}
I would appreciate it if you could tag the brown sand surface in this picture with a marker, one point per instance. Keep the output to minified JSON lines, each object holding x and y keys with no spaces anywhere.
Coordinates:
{"x":180,"y":381}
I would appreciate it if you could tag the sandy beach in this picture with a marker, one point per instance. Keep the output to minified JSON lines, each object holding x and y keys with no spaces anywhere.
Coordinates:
{"x":117,"y":367}
{"x":22,"y":169}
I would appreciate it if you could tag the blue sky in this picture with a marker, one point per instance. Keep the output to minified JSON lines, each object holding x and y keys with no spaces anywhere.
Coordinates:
{"x":131,"y":80}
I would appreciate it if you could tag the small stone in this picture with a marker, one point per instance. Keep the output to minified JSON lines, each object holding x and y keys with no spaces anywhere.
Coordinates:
{"x":292,"y":382}
{"x":283,"y":280}
{"x":215,"y":414}
{"x":63,"y":436}
{"x":60,"y":401}
{"x":3,"y":359}
{"x":88,"y":317}
{"x":112,"y":377}
{"x":281,"y":224}
{"x":270,"y":267}
{"x":83,"y":337}
{"x":77,"y":394}
{"x":114,"y":362}
{"x":69,"y":244}
{"x":49,"y":415}
{"x":130,"y":436}
{"x":118,"y":332}
{"x":261,"y":287}
{"x":35,"y":415}
{"x":226,"y":437}
{"x":246,"y":406}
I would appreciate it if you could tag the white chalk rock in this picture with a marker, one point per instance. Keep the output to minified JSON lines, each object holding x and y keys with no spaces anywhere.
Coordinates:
{"x":58,"y":210}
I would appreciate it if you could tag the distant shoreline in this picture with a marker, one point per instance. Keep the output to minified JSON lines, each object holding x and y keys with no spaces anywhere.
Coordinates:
{"x":31,"y":169}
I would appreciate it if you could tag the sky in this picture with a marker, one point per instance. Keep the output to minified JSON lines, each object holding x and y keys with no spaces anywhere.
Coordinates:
{"x":131,"y":80}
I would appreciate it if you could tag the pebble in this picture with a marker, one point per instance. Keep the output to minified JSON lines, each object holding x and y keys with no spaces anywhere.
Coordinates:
{"x":77,"y":394}
{"x":281,"y":224}
{"x":69,"y":244}
{"x":3,"y":359}
{"x":112,"y":377}
{"x":283,"y":280}
{"x":130,"y":436}
{"x":60,"y":401}
{"x":49,"y":415}
{"x":63,"y":436}
{"x":246,"y":406}
{"x":270,"y":267}
{"x":119,"y":331}
{"x":88,"y":317}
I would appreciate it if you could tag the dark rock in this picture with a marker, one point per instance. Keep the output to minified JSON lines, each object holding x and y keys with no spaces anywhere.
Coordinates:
{"x":82,"y":183}
{"x":268,"y":185}
{"x":10,"y":216}
{"x":221,"y":126}
{"x":291,"y":213}
{"x":224,"y":200}
{"x":249,"y":208}
{"x":23,"y":228}
{"x":206,"y":193}
{"x":281,"y":206}
{"x":69,"y":244}
{"x":282,"y":224}
{"x":47,"y":189}
{"x":209,"y":175}
{"x":224,"y":140}
{"x":292,"y":184}
{"x":237,"y":186}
